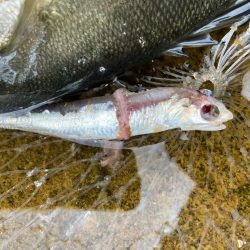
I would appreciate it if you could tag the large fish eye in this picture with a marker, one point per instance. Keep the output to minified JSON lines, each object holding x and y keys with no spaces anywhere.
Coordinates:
{"x":209,"y":112}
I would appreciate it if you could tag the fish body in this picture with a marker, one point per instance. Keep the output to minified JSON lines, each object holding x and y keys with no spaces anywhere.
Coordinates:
{"x":123,"y":115}
{"x":75,"y":44}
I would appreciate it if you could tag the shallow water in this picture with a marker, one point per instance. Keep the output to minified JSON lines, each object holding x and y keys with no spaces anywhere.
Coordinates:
{"x":172,"y":190}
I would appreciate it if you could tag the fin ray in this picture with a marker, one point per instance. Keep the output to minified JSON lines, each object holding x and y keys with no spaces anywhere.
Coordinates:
{"x":176,"y":51}
{"x":239,"y":13}
{"x":236,"y":14}
{"x":198,"y":41}
{"x":112,"y":144}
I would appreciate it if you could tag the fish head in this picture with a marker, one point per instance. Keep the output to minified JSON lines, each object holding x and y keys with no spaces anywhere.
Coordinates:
{"x":196,"y":111}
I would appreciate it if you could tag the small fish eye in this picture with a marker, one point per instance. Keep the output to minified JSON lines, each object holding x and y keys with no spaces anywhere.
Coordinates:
{"x":207,"y":85}
{"x":206,"y":92}
{"x":209,"y":112}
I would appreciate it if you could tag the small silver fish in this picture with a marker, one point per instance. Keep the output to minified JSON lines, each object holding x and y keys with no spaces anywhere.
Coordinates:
{"x":124,"y":114}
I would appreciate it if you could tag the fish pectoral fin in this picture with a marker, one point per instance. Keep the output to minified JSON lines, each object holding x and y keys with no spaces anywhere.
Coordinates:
{"x":112,"y":150}
{"x":99,"y":143}
{"x":198,"y":41}
{"x":240,"y":10}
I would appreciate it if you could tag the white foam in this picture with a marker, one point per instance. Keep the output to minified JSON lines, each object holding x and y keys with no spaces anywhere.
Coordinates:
{"x":245,"y":92}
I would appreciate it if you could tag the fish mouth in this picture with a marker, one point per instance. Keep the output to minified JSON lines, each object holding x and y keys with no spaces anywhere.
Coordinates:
{"x":218,"y":123}
{"x":216,"y":127}
{"x":211,"y":112}
{"x":212,"y":118}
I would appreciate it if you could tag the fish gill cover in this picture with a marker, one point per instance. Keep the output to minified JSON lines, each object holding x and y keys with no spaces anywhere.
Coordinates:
{"x":173,"y":190}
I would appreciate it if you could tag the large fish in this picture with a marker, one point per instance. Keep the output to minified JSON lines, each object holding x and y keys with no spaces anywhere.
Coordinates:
{"x":59,"y":46}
